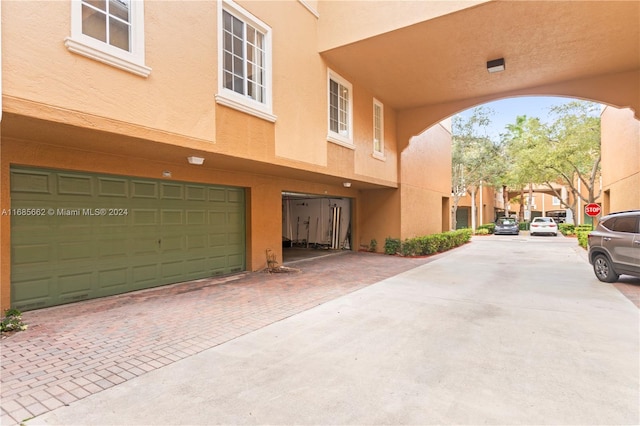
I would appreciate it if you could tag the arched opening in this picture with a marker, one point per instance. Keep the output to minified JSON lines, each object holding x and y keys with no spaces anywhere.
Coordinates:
{"x":574,"y":162}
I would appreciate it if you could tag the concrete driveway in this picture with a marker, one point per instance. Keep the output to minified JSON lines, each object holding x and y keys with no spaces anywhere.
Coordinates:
{"x":505,"y":330}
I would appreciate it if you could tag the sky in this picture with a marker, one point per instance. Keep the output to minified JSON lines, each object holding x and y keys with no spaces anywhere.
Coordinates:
{"x":506,"y":111}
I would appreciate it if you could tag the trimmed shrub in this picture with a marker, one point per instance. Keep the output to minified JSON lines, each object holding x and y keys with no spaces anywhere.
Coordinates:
{"x":428,"y":244}
{"x":582,"y":237}
{"x":567,"y":228}
{"x":490,"y":227}
{"x":392,"y":245}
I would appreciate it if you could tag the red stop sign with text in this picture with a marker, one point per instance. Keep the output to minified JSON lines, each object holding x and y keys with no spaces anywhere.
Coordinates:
{"x":592,"y":209}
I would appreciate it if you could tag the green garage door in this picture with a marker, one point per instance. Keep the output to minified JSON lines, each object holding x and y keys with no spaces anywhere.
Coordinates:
{"x":77,"y":236}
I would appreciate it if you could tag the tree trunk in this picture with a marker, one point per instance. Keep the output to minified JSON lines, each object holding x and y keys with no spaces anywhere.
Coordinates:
{"x":473,"y":208}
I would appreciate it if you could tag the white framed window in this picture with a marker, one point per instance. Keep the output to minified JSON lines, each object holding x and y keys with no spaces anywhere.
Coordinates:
{"x":340,"y":115}
{"x":109,"y":31}
{"x":555,"y":201}
{"x":378,"y":129}
{"x":244,"y":58}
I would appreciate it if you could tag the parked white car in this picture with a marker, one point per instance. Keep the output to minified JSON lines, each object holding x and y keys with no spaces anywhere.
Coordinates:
{"x":543,"y":225}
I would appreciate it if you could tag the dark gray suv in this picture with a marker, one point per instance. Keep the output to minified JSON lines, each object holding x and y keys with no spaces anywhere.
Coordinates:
{"x":614,"y":246}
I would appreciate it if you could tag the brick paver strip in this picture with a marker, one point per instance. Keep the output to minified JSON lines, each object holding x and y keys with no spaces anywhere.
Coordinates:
{"x":70,"y":352}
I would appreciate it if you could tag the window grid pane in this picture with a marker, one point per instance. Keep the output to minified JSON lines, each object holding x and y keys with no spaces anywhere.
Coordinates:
{"x":108,"y":21}
{"x":377,"y":128}
{"x":344,"y":111}
{"x":244,"y":58}
{"x":333,"y":106}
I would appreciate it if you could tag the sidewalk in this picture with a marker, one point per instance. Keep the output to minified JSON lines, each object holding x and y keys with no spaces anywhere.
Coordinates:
{"x":70,"y":352}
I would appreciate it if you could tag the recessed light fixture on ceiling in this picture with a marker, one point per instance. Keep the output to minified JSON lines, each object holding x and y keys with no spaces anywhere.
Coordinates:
{"x":496,"y":65}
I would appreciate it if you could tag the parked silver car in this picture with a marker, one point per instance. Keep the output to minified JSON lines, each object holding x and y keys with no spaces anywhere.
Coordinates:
{"x":614,"y":246}
{"x":506,"y":225}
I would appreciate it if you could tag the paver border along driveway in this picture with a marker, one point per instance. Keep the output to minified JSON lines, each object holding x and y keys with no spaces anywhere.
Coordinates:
{"x":70,"y":352}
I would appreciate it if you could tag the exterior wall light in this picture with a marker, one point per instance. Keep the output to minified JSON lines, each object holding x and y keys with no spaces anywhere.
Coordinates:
{"x":346,"y":184}
{"x":496,"y":65}
{"x":195,"y":160}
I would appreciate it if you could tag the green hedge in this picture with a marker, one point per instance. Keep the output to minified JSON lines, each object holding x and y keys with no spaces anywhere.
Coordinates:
{"x":567,"y":228}
{"x":428,"y":244}
{"x":582,"y":236}
{"x":490,"y":227}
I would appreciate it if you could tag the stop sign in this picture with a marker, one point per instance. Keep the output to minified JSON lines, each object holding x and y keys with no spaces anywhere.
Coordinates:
{"x":592,"y":209}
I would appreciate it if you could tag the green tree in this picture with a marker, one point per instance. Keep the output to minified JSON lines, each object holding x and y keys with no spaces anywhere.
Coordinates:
{"x":567,"y":152}
{"x":476,"y":159}
{"x":522,"y":143}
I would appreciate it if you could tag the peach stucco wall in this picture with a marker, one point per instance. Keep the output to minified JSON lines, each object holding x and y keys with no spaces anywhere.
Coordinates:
{"x":620,"y":145}
{"x":425,"y":169}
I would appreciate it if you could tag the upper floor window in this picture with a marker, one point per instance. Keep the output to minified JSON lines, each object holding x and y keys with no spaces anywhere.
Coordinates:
{"x":378,"y":129}
{"x":555,"y":201}
{"x":110,"y":31}
{"x":340,"y":110}
{"x":245,"y":61}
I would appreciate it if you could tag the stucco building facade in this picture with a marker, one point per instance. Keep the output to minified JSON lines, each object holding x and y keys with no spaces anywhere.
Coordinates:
{"x":620,"y":160}
{"x":103,"y":102}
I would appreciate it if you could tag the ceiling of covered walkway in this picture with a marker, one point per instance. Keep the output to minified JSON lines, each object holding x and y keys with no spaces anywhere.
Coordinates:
{"x":548,"y":46}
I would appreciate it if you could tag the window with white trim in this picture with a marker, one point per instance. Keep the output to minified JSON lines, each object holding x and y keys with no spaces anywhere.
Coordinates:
{"x":245,"y":61}
{"x":340,"y":110}
{"x":555,"y":201}
{"x":378,"y":129}
{"x":109,"y":31}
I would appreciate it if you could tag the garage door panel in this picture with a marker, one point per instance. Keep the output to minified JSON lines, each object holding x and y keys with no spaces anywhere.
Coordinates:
{"x":31,"y":182}
{"x":113,"y":281}
{"x":196,"y":268}
{"x":116,"y":219}
{"x":75,"y":185}
{"x":166,"y":232}
{"x":145,"y":274}
{"x":235,"y":196}
{"x":171,"y":217}
{"x":144,"y":189}
{"x":75,"y":286}
{"x":235,"y":262}
{"x":30,"y":254}
{"x":196,"y":242}
{"x":217,"y":195}
{"x":195,"y":193}
{"x":145,"y":246}
{"x":218,"y":241}
{"x":173,"y":244}
{"x":145,"y":217}
{"x":196,"y":217}
{"x":113,"y":187}
{"x":217,"y":218}
{"x":172,"y":269}
{"x":170,"y":191}
{"x":33,"y":293}
{"x":75,"y":250}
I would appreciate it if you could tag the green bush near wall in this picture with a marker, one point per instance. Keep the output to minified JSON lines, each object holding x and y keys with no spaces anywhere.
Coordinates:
{"x":428,"y":244}
{"x":490,"y":227}
{"x":582,"y":237}
{"x":392,"y":245}
{"x":567,"y":228}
